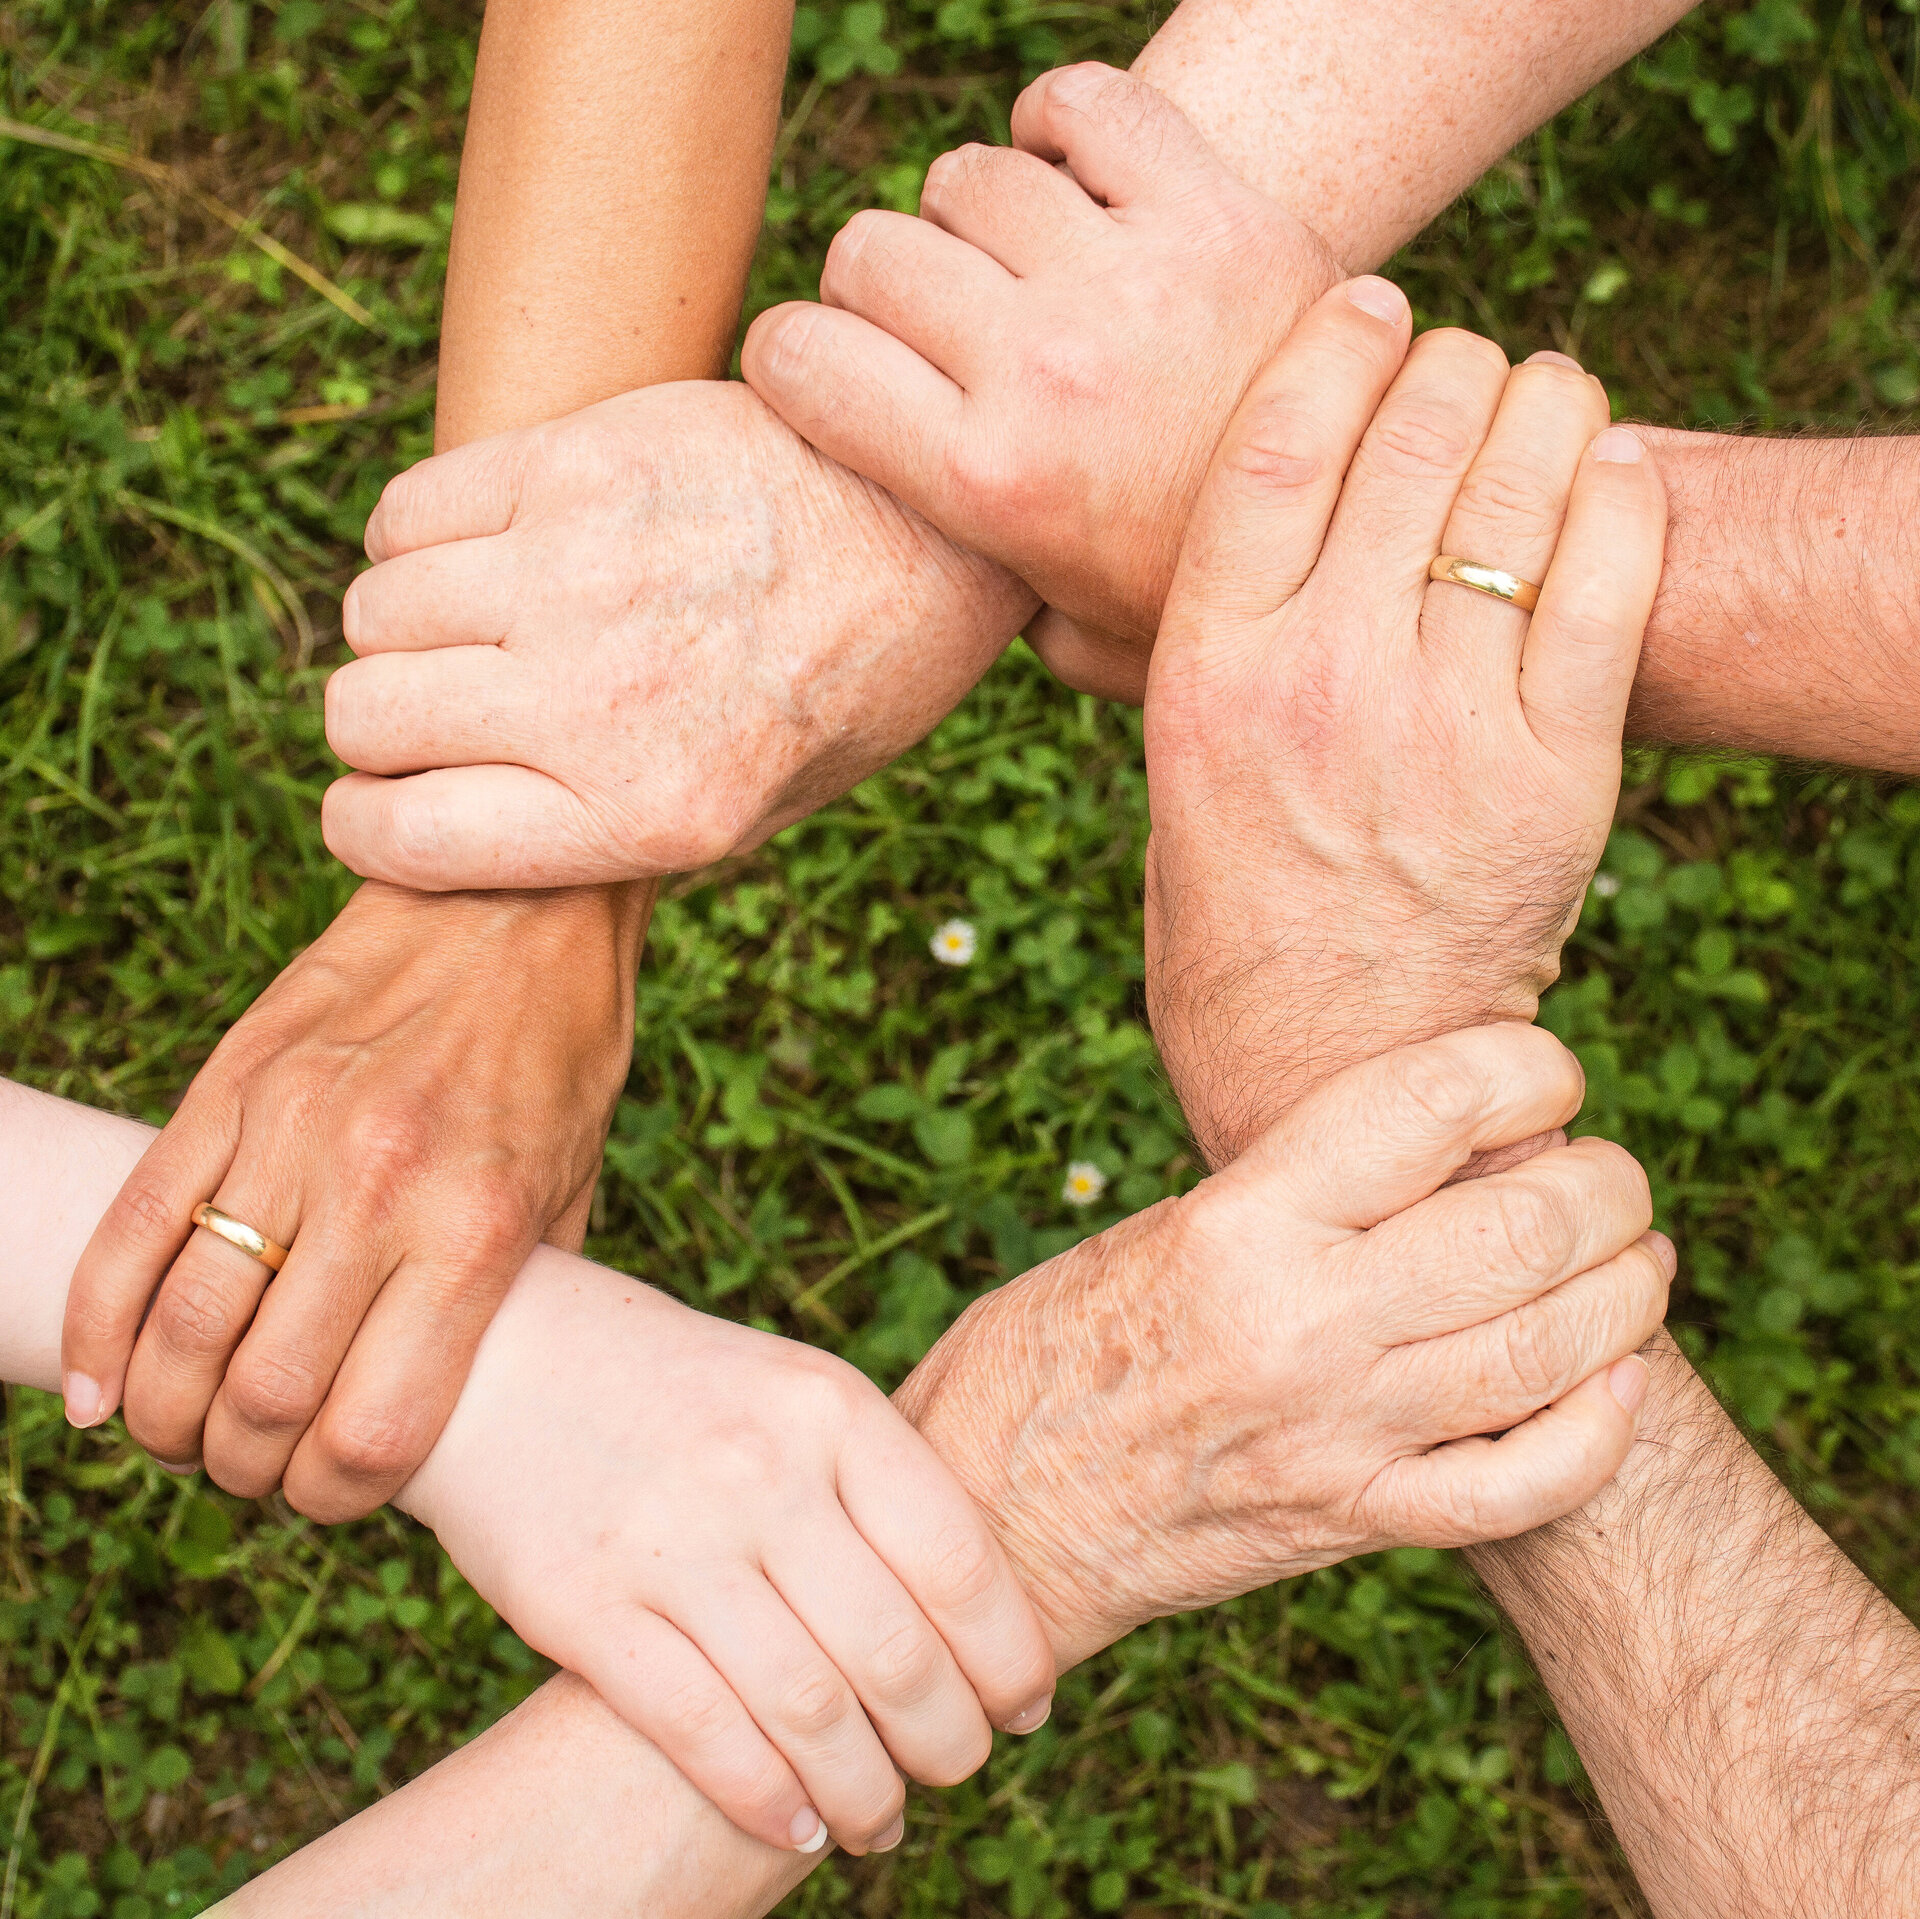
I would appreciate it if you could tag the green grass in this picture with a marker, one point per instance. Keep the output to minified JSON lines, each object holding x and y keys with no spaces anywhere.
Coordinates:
{"x":190,"y":438}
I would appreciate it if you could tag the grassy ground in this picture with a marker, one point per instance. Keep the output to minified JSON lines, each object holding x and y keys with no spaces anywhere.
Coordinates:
{"x":825,"y":1130}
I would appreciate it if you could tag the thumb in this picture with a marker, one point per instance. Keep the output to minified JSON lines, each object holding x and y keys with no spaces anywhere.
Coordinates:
{"x":1090,"y":660}
{"x":1474,"y":1490}
{"x":1121,"y":138}
{"x":1267,"y":500}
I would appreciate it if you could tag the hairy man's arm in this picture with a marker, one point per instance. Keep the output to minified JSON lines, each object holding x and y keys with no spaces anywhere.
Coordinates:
{"x":1746,"y":1703}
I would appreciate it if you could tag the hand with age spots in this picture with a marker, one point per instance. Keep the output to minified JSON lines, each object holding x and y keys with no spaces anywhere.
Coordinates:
{"x":634,"y":641}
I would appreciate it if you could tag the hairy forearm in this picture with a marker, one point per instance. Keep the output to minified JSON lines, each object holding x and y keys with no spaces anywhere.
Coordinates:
{"x":1787,"y":623}
{"x":610,"y":194}
{"x":1366,"y":118}
{"x":1747,"y":1705}
{"x":1788,"y":619}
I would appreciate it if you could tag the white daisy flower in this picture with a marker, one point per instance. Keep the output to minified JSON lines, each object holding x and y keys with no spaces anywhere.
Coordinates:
{"x":1606,"y":884}
{"x":955,"y":943}
{"x":1085,"y":1183}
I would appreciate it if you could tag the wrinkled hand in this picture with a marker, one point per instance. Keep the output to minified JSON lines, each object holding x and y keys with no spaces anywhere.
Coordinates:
{"x":1044,"y":361}
{"x":1295,"y":1362}
{"x":741,"y":1545}
{"x":634,"y":641}
{"x":417,"y":1100}
{"x":1377,"y":801}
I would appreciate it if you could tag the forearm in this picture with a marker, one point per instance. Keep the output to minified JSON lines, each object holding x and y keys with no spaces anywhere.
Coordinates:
{"x":499,"y":1824}
{"x":1786,"y":623}
{"x":1747,"y":1705}
{"x":1788,"y":620}
{"x":559,"y":1809}
{"x":610,"y":195}
{"x":1364,"y":118}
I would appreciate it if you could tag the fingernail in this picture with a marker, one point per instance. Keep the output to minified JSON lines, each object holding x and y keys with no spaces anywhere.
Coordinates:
{"x":86,"y":1399}
{"x":1618,"y":447}
{"x":891,"y":1837}
{"x":1381,"y":298}
{"x":809,"y":1830}
{"x":1627,"y":1382}
{"x":186,"y":1470}
{"x":1547,"y":357}
{"x":1663,"y":1251}
{"x":1032,"y":1718}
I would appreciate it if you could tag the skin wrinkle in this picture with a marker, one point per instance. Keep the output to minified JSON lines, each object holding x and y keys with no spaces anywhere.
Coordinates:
{"x":1784,"y":1679}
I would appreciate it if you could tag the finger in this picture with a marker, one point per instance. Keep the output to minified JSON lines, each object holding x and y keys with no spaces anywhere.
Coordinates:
{"x":408,"y":1360}
{"x":412,"y":712}
{"x":932,"y":292}
{"x":1088,"y":660}
{"x":1548,"y":1466}
{"x":461,"y":593}
{"x":918,"y":1518}
{"x":1123,"y":139}
{"x":1015,"y":208}
{"x":1258,"y":525}
{"x":473,"y":828}
{"x":865,"y":399}
{"x":285,"y":1364}
{"x":203,"y":1309}
{"x":1508,"y":514}
{"x":899,"y":1667}
{"x":1477,"y":1249}
{"x":1489,"y":1377}
{"x":801,"y":1700}
{"x":658,"y":1681}
{"x":1376,"y":1138}
{"x":132,"y":1248}
{"x":1405,"y":477}
{"x":1583,"y":644}
{"x":465,"y":494}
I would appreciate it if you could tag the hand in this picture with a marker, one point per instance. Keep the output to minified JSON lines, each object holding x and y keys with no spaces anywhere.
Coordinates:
{"x":1377,"y":801}
{"x":1043,"y":362}
{"x":409,"y":1107}
{"x":1291,"y":1364}
{"x":635,"y":641}
{"x":742,"y":1546}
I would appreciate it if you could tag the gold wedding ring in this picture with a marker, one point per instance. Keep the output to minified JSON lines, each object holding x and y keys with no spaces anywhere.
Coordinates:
{"x":1486,"y":579}
{"x":236,"y":1232}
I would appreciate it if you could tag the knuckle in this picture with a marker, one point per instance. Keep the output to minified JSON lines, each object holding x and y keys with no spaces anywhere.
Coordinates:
{"x":495,"y":1226}
{"x":1508,"y":489}
{"x":148,"y":1213}
{"x":368,"y":1444}
{"x":695,"y":1716}
{"x":1282,"y":452}
{"x":813,"y":1702}
{"x":1536,"y":1234}
{"x":417,"y":825}
{"x":1531,"y":1354}
{"x":1419,"y":438}
{"x":742,"y":1458}
{"x":388,"y":1143}
{"x":963,"y":1568}
{"x":1431,"y":1085}
{"x":269,"y":1394}
{"x":959,"y":173}
{"x":907,"y":1663}
{"x":851,"y":249}
{"x":195,"y":1317}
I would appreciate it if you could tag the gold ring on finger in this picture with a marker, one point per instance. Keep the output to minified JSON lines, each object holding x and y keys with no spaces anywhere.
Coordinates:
{"x":236,"y":1232}
{"x":1486,"y":579}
